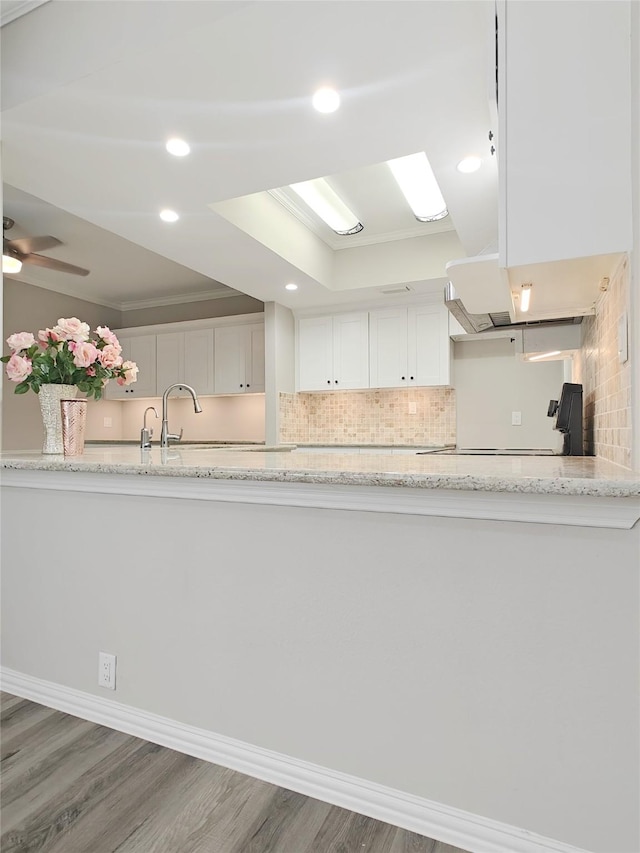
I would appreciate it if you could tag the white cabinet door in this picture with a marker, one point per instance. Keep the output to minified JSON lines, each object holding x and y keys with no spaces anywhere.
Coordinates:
{"x":255,"y":361}
{"x":198,"y":360}
{"x":239,"y":359}
{"x":169,"y":360}
{"x":185,"y":357}
{"x":428,"y":345}
{"x":350,"y":351}
{"x":565,"y":111}
{"x":315,"y":354}
{"x":409,"y":346}
{"x":333,"y":352}
{"x":142,"y":350}
{"x":388,"y":348}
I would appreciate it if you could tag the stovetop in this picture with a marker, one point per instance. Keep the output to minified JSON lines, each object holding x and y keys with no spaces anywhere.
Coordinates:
{"x":490,"y":451}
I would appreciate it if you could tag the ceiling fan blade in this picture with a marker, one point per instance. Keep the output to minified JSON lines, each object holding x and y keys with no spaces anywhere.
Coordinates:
{"x":50,"y":263}
{"x":26,"y":245}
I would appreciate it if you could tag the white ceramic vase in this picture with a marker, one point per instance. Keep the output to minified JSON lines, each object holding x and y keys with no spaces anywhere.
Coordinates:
{"x":50,"y":396}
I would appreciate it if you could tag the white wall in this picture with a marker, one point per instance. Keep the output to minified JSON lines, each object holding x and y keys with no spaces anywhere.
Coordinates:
{"x":491,"y":383}
{"x":489,"y":666}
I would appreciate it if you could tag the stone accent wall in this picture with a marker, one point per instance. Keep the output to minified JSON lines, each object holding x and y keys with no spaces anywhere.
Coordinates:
{"x":606,"y":380}
{"x":380,"y":416}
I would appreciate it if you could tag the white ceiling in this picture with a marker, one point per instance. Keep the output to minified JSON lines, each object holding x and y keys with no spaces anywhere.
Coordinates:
{"x":92,"y":90}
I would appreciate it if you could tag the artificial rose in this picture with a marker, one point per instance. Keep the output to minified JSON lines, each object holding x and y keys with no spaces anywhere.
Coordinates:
{"x":130,"y":373}
{"x":47,"y":336}
{"x":109,"y":337}
{"x":21,"y":340}
{"x":72,"y":329}
{"x":84,"y":354}
{"x":110,"y":356}
{"x":18,"y":368}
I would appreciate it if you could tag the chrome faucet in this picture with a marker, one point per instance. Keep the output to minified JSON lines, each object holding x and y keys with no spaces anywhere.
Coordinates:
{"x":145,"y":434}
{"x":165,"y":435}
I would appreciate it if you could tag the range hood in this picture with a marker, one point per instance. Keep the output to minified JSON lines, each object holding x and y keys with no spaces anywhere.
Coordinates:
{"x":483,"y":296}
{"x":494,"y":321}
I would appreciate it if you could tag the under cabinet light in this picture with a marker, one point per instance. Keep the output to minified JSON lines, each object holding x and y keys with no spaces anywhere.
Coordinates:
{"x":544,"y":355}
{"x":291,"y":286}
{"x":525,"y":299}
{"x":10,"y":264}
{"x":328,"y":205}
{"x":418,"y":183}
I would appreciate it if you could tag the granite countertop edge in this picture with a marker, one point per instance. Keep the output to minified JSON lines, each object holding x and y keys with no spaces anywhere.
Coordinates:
{"x":575,"y":486}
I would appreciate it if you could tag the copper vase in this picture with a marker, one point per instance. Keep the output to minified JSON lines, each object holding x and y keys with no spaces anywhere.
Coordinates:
{"x":74,"y":419}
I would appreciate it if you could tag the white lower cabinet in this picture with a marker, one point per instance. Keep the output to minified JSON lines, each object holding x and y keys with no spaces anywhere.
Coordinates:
{"x":185,"y":357}
{"x":409,"y":346}
{"x":142,"y":350}
{"x":239,"y":359}
{"x":333,"y":352}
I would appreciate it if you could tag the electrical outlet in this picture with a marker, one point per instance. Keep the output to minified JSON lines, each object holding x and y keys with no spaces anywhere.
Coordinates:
{"x":106,"y":670}
{"x":412,"y":408}
{"x":516,"y":418}
{"x":108,"y":422}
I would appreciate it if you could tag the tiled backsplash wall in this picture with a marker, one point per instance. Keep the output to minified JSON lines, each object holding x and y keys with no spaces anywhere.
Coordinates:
{"x":382,"y":416}
{"x":606,"y":381}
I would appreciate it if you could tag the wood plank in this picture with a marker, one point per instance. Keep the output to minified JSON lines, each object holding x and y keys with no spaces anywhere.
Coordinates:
{"x":71,"y":786}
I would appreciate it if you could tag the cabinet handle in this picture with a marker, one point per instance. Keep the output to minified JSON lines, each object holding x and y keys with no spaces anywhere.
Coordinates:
{"x":328,"y":382}
{"x":402,"y":377}
{"x":336,"y":381}
{"x":411,"y":377}
{"x":248,"y":386}
{"x":241,"y":385}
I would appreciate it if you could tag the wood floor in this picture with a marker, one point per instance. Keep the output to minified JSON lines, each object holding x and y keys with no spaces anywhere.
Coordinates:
{"x":70,"y":786}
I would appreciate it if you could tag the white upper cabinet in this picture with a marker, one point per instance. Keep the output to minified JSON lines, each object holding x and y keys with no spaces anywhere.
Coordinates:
{"x":185,"y":357}
{"x":564,"y":105}
{"x":142,"y":350}
{"x":239,"y":359}
{"x":409,"y":346}
{"x":333,"y":352}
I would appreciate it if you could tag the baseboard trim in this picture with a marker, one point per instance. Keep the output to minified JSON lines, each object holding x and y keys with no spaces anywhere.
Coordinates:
{"x":443,"y":823}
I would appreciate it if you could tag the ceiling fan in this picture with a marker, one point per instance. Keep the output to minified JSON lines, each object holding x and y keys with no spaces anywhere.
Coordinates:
{"x":23,"y":251}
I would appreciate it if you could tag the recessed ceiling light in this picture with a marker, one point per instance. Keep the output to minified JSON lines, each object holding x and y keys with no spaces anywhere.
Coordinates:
{"x":469,"y":164}
{"x":178,"y":147}
{"x":291,"y":286}
{"x":169,"y":215}
{"x":419,"y":186}
{"x":326,"y":100}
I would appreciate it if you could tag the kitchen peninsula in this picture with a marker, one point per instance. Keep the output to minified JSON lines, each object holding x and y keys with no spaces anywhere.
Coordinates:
{"x":407,"y":625}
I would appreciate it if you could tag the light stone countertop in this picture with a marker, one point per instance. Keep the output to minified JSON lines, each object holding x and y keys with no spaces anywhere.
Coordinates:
{"x":552,"y":475}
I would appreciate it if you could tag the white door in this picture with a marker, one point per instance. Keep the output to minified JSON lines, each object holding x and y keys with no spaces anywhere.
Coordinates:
{"x":230,"y":359}
{"x":315,"y":354}
{"x":428,"y":345}
{"x":351,"y":351}
{"x":169,"y":360}
{"x":142,"y":350}
{"x":388,"y":348}
{"x":255,"y":360}
{"x":198,"y":360}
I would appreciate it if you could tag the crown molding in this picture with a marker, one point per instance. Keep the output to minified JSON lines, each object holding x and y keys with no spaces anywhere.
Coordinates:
{"x":11,"y":11}
{"x":179,"y":299}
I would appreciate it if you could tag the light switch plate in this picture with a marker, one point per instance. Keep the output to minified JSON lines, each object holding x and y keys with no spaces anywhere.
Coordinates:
{"x":516,"y":418}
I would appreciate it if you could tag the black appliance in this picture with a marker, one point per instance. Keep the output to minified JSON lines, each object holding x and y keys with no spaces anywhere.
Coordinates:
{"x":568,"y":415}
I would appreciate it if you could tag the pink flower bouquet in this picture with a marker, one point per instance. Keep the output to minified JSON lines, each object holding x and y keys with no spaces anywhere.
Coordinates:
{"x":68,"y":354}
